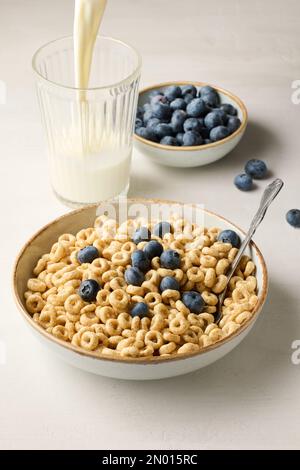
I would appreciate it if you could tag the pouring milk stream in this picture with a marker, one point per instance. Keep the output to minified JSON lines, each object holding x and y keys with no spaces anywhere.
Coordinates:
{"x":90,"y":167}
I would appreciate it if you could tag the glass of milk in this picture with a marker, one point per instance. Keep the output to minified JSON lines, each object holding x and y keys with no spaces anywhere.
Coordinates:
{"x":89,"y":130}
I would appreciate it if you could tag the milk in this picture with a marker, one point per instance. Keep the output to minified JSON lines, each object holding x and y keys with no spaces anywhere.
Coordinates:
{"x":87,"y":19}
{"x":88,"y":164}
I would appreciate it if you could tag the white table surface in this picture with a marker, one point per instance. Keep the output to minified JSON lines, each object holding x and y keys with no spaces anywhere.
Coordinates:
{"x":249,"y":399}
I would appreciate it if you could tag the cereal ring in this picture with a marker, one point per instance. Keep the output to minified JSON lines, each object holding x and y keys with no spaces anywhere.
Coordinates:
{"x":168,"y":348}
{"x":112,"y":327}
{"x":35,"y":303}
{"x":222,"y":266}
{"x":190,"y":336}
{"x":154,"y":339}
{"x":121,"y":258}
{"x":210,"y":278}
{"x":119,"y":299}
{"x":179,"y":325}
{"x":209,"y":298}
{"x":220,"y":284}
{"x":74,"y":304}
{"x":153,"y":299}
{"x":102,"y":298}
{"x":36,"y":285}
{"x":89,"y":340}
{"x":60,"y":332}
{"x":105,"y":313}
{"x":194,"y":274}
{"x":124,"y":320}
{"x":158,"y":322}
{"x":117,"y":283}
{"x":47,"y":317}
{"x":188,"y":348}
{"x":170,"y":294}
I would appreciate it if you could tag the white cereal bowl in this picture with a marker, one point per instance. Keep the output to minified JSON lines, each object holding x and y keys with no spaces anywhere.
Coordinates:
{"x":199,"y":155}
{"x":128,"y":368}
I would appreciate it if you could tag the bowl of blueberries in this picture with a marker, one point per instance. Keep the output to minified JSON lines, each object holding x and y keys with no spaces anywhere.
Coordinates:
{"x":188,"y":124}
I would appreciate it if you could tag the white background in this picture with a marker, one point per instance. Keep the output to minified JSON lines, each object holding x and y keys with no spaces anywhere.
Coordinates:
{"x":249,"y":399}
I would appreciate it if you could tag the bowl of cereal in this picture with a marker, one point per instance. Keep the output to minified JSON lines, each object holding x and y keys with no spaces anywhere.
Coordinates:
{"x":118,"y":290}
{"x":188,"y":124}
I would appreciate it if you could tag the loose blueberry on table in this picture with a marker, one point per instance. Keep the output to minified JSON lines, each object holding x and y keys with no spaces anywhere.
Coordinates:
{"x":293,"y":217}
{"x":186,"y":116}
{"x":243,"y":182}
{"x":257,"y":169}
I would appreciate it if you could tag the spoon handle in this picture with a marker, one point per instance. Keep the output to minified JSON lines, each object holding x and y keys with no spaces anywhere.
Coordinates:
{"x":268,"y":196}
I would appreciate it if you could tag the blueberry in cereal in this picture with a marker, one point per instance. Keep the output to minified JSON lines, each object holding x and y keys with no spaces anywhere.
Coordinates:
{"x":88,"y":254}
{"x":140,"y":260}
{"x":88,"y":290}
{"x":170,"y":259}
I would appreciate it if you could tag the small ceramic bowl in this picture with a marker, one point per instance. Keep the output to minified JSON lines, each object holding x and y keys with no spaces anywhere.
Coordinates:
{"x":200,"y":154}
{"x":129,"y":368}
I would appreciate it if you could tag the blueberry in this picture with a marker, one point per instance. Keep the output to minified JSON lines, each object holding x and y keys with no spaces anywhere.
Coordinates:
{"x":87,"y":254}
{"x":140,"y":112}
{"x":147,"y":115}
{"x":146,"y":133}
{"x":170,"y":259}
{"x":134,"y":276}
{"x":222,"y":115}
{"x":152,"y":123}
{"x":230,"y":236}
{"x":88,"y":290}
{"x":178,"y":103}
{"x":243,"y":182}
{"x":162,"y":129}
{"x":162,"y":228}
{"x":142,"y":234}
{"x":146,"y":107}
{"x":158,"y":99}
{"x":169,"y":282}
{"x":179,"y":138}
{"x":173,"y":92}
{"x":293,"y":217}
{"x":229,"y":109}
{"x":211,"y":99}
{"x":192,"y":124}
{"x":189,"y":89}
{"x":191,"y":138}
{"x":206,"y":90}
{"x":153,"y":249}
{"x":204,"y":132}
{"x":212,"y":120}
{"x":188,"y":98}
{"x":257,"y":169}
{"x":155,"y":93}
{"x":169,"y":140}
{"x":140,"y":309}
{"x":207,"y":141}
{"x":161,"y":111}
{"x":197,"y":108}
{"x":193,"y":301}
{"x":177,"y":120}
{"x":218,"y":133}
{"x":140,"y":260}
{"x":138,"y":123}
{"x":233,"y":124}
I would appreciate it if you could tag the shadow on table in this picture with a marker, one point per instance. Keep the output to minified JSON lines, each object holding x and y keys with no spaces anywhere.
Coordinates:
{"x":257,"y":142}
{"x":257,"y":366}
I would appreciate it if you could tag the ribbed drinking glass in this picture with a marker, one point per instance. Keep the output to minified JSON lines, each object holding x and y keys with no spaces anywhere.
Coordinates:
{"x":89,"y":131}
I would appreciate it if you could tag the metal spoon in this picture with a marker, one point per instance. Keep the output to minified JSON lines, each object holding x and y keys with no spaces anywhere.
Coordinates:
{"x":268,"y":196}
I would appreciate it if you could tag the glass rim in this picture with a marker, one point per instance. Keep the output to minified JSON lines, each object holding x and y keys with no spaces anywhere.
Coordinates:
{"x":125,"y":80}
